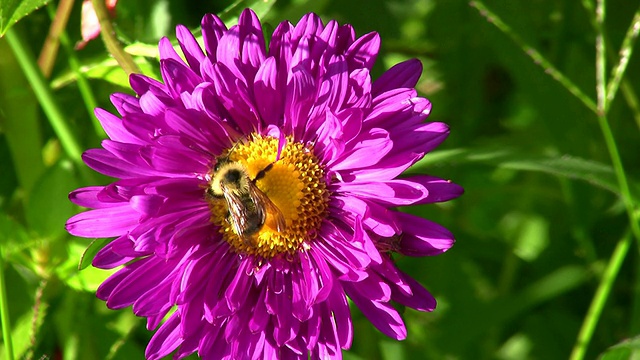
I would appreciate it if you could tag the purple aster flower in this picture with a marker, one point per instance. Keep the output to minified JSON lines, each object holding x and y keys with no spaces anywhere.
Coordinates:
{"x":257,"y":187}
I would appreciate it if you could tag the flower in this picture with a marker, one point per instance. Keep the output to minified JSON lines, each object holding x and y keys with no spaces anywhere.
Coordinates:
{"x":232,"y":274}
{"x":89,"y":23}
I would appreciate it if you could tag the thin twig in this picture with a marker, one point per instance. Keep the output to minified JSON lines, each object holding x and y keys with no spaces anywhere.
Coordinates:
{"x":625,"y":54}
{"x":535,"y":55}
{"x":612,"y":148}
{"x":89,"y":100}
{"x":36,"y":318}
{"x":627,"y":90}
{"x":50,"y":48}
{"x":601,"y":59}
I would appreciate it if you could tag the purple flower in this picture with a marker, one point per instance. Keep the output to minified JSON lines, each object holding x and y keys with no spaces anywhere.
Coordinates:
{"x":257,"y":189}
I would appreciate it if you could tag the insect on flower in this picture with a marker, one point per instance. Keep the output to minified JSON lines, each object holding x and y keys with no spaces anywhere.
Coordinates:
{"x":257,"y":192}
{"x":248,"y":206}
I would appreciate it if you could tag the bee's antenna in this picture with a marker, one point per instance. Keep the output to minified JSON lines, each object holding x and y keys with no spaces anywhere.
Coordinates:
{"x":233,"y":147}
{"x":225,"y":159}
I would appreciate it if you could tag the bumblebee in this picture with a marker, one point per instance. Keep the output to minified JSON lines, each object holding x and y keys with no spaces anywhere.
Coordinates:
{"x":248,"y":205}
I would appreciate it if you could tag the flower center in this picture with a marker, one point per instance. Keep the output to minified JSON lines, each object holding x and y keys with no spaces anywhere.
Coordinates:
{"x":294,"y":183}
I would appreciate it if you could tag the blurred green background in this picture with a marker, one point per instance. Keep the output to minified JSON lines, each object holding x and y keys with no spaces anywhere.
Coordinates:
{"x":540,"y":219}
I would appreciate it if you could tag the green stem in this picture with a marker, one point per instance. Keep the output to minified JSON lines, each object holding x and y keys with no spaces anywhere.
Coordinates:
{"x":111,"y":42}
{"x":83,"y":84}
{"x":600,"y":297}
{"x":43,"y":92}
{"x":625,"y":54}
{"x":4,"y":313}
{"x":612,"y":148}
{"x":625,"y":192}
{"x":535,"y":55}
{"x":634,"y":315}
{"x":600,"y":108}
{"x":621,"y":250}
{"x":601,"y":60}
{"x":627,"y":90}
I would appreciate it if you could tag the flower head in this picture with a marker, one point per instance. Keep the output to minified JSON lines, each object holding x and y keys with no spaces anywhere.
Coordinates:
{"x":89,"y":23}
{"x":257,"y":187}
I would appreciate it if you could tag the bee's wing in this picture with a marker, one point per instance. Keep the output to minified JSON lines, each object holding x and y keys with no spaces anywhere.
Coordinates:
{"x":265,"y":206}
{"x":237,"y":211}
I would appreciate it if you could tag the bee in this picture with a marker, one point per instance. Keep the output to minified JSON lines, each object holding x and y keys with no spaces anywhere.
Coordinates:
{"x":248,"y":205}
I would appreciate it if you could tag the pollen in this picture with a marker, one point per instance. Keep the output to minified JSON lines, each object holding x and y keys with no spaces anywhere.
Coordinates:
{"x":295,"y":183}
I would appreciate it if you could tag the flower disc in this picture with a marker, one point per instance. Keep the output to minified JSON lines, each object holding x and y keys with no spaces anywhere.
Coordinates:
{"x":295,"y":183}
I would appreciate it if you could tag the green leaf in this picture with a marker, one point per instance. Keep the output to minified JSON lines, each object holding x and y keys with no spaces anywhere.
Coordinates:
{"x":517,"y":347}
{"x":14,"y":239}
{"x":88,"y":279}
{"x":110,"y":71}
{"x":497,"y":313}
{"x":19,"y":120}
{"x":48,"y":206}
{"x":229,"y":16}
{"x":627,"y":349}
{"x":90,"y":252}
{"x":530,"y":234}
{"x":82,"y":277}
{"x":392,"y":350}
{"x":13,"y":10}
{"x":12,"y":234}
{"x":146,"y":50}
{"x":85,"y":332}
{"x":567,"y":166}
